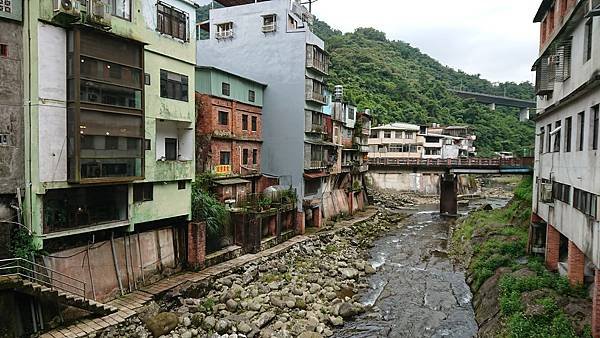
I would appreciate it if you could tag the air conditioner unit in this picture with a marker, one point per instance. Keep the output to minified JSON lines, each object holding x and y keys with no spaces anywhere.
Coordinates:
{"x":546,"y":192}
{"x":224,"y":34}
{"x":99,"y":13}
{"x":67,"y":10}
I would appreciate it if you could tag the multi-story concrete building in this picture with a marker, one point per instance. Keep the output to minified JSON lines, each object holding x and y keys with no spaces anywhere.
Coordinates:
{"x":396,"y":140}
{"x":110,"y":136}
{"x":11,"y":121}
{"x":567,"y":162}
{"x":271,"y":42}
{"x":229,"y":130}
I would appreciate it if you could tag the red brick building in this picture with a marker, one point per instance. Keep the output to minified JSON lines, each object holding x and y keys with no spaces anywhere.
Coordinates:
{"x":229,"y":130}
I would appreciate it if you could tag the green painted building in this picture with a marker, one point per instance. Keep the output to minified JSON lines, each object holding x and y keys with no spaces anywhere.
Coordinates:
{"x":110,"y":129}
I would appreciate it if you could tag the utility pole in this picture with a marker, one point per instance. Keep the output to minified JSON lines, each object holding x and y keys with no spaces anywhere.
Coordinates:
{"x":309,"y":3}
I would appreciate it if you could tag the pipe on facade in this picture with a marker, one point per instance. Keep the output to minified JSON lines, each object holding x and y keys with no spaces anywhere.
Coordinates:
{"x":89,"y":258}
{"x":139,"y":242}
{"x":114,"y":254}
{"x":127,"y":262}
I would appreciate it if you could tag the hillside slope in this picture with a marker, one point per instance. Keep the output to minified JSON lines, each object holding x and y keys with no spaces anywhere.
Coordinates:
{"x":399,"y":83}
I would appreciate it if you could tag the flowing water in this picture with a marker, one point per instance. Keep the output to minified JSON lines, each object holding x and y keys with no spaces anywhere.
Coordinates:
{"x":417,"y":292}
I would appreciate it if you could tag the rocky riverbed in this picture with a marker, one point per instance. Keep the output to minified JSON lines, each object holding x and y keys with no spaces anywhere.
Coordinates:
{"x":308,"y":291}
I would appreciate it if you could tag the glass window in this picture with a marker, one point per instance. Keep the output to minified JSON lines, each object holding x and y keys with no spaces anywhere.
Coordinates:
{"x":254,"y":123}
{"x":172,"y":21}
{"x":143,"y":192}
{"x":387,"y":134}
{"x":173,"y":85}
{"x":568,"y":133}
{"x":95,"y":92}
{"x":170,"y":149}
{"x":254,"y":156}
{"x":110,"y":72}
{"x":245,"y":153}
{"x":223,"y":118}
{"x":181,"y":185}
{"x":225,"y":89}
{"x":225,"y":158}
{"x":557,"y":139}
{"x":251,"y":96}
{"x":244,"y":122}
{"x":595,"y":126}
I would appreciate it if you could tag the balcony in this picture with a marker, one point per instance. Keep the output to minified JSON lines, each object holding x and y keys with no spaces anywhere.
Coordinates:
{"x":317,"y":65}
{"x":316,"y":97}
{"x":317,"y":59}
{"x":316,"y":165}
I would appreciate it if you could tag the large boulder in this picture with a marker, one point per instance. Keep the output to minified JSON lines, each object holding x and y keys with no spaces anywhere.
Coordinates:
{"x":162,"y":323}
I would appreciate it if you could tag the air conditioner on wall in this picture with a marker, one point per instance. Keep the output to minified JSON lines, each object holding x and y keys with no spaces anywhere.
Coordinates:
{"x":546,"y":192}
{"x":99,"y":13}
{"x":67,"y":10}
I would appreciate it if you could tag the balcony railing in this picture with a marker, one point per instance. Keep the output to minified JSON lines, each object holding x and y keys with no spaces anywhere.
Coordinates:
{"x":268,"y":28}
{"x":318,"y":65}
{"x":227,"y":34}
{"x":316,"y":97}
{"x":316,"y":165}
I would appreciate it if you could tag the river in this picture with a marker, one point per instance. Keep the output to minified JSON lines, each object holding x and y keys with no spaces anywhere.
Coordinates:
{"x":417,"y":292}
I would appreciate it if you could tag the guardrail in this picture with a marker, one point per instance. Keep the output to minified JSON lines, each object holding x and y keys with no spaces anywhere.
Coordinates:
{"x":458,"y":162}
{"x":28,"y":270}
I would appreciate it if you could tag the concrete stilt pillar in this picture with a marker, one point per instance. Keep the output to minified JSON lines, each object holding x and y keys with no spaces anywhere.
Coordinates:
{"x":596,"y":306}
{"x":449,"y":194}
{"x":351,"y":203}
{"x":317,"y":217}
{"x":300,"y":223}
{"x":196,"y":245}
{"x":576,"y":261}
{"x":552,"y":248}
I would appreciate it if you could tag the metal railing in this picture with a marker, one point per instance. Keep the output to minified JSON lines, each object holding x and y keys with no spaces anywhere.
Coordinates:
{"x":33,"y":272}
{"x":458,"y":162}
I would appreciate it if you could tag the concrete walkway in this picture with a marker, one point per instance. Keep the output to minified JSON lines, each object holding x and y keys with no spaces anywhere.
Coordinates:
{"x":131,"y":302}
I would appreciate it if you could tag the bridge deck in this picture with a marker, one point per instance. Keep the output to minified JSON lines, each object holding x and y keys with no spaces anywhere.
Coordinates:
{"x":458,"y":166}
{"x":498,"y":100}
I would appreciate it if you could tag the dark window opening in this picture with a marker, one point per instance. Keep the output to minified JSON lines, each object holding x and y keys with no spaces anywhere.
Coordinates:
{"x":244,"y":122}
{"x":245,"y":153}
{"x":143,"y":192}
{"x":557,"y":127}
{"x":225,"y":89}
{"x":581,"y":131}
{"x":589,"y":36}
{"x":111,"y":143}
{"x":172,"y":21}
{"x":254,"y":123}
{"x":225,"y":158}
{"x":147,"y":144}
{"x":542,"y":137}
{"x":181,"y":185}
{"x":173,"y":86}
{"x":170,"y":149}
{"x":595,"y":126}
{"x":223,"y":118}
{"x":568,"y":133}
{"x":254,"y":156}
{"x":3,"y":50}
{"x":251,"y":96}
{"x":585,"y":202}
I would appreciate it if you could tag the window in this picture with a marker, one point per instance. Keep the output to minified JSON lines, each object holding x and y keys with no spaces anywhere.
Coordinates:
{"x":225,"y":89}
{"x":3,"y":139}
{"x":311,"y":187}
{"x":549,"y":138}
{"x":595,"y":113}
{"x":557,"y":127}
{"x":561,"y":192}
{"x":3,"y":50}
{"x":225,"y":158}
{"x":542,"y":137}
{"x":172,"y":21}
{"x":181,"y":185}
{"x":580,"y":131}
{"x":120,"y":8}
{"x":398,"y":134}
{"x":564,"y":60}
{"x":585,"y":202}
{"x":251,"y":95}
{"x":224,"y":30}
{"x":588,"y":38}
{"x":245,"y":153}
{"x":568,"y":133}
{"x":375,"y":134}
{"x":269,"y":23}
{"x":111,"y":143}
{"x":223,"y":118}
{"x":254,"y":123}
{"x":409,"y":135}
{"x":254,"y":156}
{"x":173,"y":86}
{"x":170,"y":149}
{"x":147,"y":144}
{"x":387,"y":134}
{"x":146,"y":79}
{"x":143,"y":192}
{"x":244,"y":122}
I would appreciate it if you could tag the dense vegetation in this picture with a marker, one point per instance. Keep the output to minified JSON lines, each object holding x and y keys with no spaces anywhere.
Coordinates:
{"x":401,"y":84}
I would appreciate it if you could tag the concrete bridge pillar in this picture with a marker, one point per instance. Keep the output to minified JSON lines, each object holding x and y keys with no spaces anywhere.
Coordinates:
{"x":524,"y":115}
{"x":449,"y":194}
{"x":493,"y":106}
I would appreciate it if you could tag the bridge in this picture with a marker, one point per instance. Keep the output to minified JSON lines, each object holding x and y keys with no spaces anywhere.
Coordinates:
{"x":494,"y":100}
{"x":449,"y":169}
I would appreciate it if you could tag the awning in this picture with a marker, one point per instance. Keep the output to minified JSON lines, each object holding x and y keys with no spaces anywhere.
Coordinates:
{"x":230,"y":3}
{"x":232,"y":181}
{"x":315,"y":175}
{"x":322,"y":143}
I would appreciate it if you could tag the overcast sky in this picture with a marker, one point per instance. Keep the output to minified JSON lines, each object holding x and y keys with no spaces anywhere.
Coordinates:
{"x":494,"y":38}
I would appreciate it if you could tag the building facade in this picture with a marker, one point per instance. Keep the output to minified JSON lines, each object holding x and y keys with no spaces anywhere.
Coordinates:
{"x":11,"y":121}
{"x":565,"y":200}
{"x":271,"y":42}
{"x":110,"y":136}
{"x":229,"y":131}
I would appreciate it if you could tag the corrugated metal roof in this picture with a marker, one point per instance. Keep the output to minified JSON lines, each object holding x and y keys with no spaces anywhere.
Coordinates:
{"x":231,"y":181}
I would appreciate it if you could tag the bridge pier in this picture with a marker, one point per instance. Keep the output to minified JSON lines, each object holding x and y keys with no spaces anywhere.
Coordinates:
{"x":449,"y":194}
{"x":492,"y":106}
{"x":524,"y":115}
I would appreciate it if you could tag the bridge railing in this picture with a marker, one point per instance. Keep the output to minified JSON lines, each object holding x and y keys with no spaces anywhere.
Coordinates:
{"x":456,"y":162}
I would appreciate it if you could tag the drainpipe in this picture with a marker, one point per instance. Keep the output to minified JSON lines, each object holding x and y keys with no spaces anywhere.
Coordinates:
{"x":112,"y":245}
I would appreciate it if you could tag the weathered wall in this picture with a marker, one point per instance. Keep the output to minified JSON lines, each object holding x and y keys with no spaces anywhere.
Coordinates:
{"x":423,"y":183}
{"x":11,"y":108}
{"x":157,"y":254}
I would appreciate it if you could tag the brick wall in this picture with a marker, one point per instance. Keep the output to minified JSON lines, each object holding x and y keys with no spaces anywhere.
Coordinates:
{"x":552,"y":248}
{"x":596,"y":306}
{"x":196,"y":245}
{"x":576,"y":261}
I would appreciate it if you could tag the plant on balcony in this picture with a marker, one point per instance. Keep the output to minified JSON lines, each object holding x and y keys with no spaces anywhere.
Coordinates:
{"x":206,"y":208}
{"x":264,"y":203}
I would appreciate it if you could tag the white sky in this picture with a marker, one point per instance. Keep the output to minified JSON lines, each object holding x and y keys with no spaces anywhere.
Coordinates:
{"x":494,"y":38}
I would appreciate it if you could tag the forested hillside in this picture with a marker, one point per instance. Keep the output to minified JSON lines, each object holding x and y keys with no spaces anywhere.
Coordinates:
{"x":399,"y":83}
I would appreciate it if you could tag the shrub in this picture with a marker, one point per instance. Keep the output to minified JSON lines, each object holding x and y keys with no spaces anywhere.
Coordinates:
{"x":206,"y":208}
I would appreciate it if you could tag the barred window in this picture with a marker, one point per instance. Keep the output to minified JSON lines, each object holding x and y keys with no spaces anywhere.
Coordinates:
{"x":172,"y":21}
{"x":585,"y":202}
{"x":561,"y":192}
